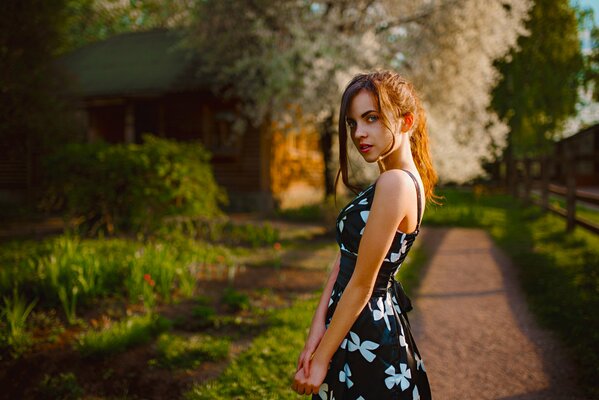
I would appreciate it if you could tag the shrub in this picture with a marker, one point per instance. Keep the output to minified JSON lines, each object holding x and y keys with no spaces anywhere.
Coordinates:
{"x":131,"y":187}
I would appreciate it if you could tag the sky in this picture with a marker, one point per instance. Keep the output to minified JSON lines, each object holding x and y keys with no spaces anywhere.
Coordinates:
{"x":585,"y":35}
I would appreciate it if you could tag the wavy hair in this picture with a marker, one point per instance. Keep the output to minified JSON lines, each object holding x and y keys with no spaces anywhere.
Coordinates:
{"x":394,"y":95}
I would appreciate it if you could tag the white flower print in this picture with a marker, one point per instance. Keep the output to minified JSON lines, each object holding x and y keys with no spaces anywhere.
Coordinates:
{"x":364,"y":215}
{"x":343,"y":344}
{"x":419,"y":362}
{"x":415,"y":394}
{"x":401,"y":378}
{"x":382,"y":312}
{"x":404,"y":243}
{"x":323,"y":391}
{"x":364,"y":347}
{"x":344,"y":376}
{"x":331,"y":298}
{"x":364,"y":201}
{"x":362,"y":230}
{"x":402,"y":340}
{"x":341,"y":223}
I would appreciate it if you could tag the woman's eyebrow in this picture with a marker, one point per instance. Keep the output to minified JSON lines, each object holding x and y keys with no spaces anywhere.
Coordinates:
{"x":366,"y":113}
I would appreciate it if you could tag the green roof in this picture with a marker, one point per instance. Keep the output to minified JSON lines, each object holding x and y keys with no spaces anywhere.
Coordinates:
{"x":132,"y":64}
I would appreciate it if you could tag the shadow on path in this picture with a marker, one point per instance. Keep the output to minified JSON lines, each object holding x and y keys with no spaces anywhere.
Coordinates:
{"x":473,"y":327}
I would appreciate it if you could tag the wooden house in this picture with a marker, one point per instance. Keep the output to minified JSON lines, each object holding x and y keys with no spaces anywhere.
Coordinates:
{"x":138,"y":83}
{"x":583,"y":146}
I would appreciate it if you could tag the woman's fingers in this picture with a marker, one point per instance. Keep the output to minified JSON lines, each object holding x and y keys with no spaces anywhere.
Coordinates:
{"x":307,"y":368}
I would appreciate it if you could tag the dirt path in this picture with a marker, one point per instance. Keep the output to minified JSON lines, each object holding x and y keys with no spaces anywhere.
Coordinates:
{"x":473,"y":327}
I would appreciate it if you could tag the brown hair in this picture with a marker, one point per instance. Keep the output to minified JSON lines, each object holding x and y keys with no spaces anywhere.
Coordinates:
{"x":394,"y":94}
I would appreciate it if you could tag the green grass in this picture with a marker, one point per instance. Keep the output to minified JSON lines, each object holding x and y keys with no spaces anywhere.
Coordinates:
{"x":558,"y":271}
{"x":176,"y":352}
{"x":121,"y":335}
{"x":582,"y":212}
{"x":410,"y":272}
{"x":265,"y":370}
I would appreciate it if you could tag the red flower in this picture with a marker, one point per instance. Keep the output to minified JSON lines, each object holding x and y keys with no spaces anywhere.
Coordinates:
{"x":147,"y":278}
{"x":277,"y":246}
{"x":152,"y":283}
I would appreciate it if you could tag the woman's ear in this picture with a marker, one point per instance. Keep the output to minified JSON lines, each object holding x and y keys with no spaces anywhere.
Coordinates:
{"x":408,"y":121}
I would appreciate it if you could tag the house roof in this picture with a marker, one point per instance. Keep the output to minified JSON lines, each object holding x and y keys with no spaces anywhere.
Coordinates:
{"x":133,"y":63}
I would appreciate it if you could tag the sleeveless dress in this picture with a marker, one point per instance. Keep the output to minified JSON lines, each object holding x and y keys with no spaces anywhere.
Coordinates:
{"x":378,"y":359}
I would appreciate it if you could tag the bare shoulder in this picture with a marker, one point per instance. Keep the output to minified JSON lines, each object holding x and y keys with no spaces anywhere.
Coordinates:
{"x":394,"y":185}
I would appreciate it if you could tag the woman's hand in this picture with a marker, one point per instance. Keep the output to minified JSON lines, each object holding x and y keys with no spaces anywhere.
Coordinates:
{"x":311,"y":384}
{"x":316,"y":333}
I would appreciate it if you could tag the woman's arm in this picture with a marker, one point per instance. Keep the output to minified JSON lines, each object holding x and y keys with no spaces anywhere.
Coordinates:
{"x":317,"y":327}
{"x":385,"y":215}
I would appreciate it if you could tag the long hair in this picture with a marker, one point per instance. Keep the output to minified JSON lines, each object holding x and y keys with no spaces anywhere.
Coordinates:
{"x":394,"y":95}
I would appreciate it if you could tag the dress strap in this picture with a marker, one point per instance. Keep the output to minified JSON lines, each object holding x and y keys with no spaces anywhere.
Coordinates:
{"x":418,"y":193}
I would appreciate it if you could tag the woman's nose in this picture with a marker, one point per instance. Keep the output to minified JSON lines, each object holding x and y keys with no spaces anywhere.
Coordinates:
{"x":360,"y":131}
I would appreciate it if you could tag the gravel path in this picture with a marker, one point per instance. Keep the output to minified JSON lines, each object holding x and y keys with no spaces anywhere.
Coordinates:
{"x":474,"y":330}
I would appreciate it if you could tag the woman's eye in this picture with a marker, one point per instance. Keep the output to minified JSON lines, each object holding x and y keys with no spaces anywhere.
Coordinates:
{"x":372,"y":118}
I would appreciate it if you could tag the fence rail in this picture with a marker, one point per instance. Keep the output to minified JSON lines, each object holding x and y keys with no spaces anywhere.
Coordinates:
{"x":544,"y":166}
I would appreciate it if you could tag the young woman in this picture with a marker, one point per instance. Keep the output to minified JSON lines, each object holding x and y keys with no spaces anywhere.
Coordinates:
{"x":360,"y":345}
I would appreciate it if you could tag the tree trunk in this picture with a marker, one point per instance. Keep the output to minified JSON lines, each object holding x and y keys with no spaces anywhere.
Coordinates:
{"x":326,"y":141}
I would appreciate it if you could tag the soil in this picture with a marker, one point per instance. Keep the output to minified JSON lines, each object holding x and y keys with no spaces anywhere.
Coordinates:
{"x":128,"y":375}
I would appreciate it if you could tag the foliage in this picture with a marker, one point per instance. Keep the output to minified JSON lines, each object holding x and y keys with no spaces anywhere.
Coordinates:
{"x":276,"y":53}
{"x":88,"y":21}
{"x":63,"y":386}
{"x":104,"y":267}
{"x":265,"y":370}
{"x":538,"y":88}
{"x":34,"y":115}
{"x":189,"y":352}
{"x":15,"y":312}
{"x":132,"y":187}
{"x":558,"y":270}
{"x":221,"y":230}
{"x":121,"y":335}
{"x":234,"y":300}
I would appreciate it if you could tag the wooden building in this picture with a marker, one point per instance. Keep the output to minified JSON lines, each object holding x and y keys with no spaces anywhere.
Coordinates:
{"x":144,"y":82}
{"x":584,"y":147}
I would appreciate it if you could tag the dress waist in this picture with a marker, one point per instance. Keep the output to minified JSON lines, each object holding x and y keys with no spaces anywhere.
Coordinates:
{"x":384,"y":281}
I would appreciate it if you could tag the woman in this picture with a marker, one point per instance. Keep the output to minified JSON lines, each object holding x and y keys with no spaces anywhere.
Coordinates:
{"x":360,"y":345}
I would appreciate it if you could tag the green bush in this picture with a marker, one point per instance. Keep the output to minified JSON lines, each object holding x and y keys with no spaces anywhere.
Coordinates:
{"x":131,"y":187}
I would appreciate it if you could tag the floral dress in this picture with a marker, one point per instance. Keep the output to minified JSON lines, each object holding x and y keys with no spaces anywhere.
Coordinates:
{"x":378,"y":359}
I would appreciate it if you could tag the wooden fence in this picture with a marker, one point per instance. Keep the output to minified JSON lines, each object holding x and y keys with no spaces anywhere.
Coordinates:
{"x":537,"y":173}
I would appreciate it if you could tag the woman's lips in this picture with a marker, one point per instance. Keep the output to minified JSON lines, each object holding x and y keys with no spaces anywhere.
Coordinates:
{"x":365,"y":148}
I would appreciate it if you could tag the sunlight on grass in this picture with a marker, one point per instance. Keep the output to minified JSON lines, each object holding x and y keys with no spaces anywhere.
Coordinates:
{"x":121,"y":335}
{"x":266,"y":369}
{"x":189,"y":352}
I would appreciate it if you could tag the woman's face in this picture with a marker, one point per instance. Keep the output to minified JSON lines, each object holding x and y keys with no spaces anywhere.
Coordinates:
{"x":366,"y":129}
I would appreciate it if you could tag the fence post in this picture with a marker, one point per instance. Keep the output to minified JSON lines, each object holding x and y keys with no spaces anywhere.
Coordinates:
{"x":570,"y":170}
{"x":545,"y":166}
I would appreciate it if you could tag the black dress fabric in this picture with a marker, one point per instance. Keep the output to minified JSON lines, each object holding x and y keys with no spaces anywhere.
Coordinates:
{"x":378,"y":359}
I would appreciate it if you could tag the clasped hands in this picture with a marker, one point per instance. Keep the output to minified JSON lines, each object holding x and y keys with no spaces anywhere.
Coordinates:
{"x":311,"y":370}
{"x":309,"y":376}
